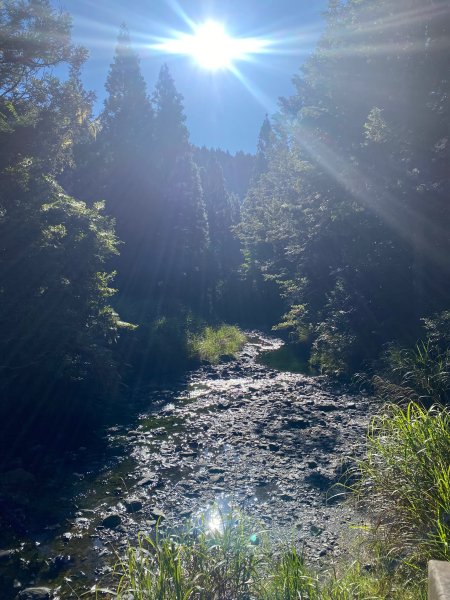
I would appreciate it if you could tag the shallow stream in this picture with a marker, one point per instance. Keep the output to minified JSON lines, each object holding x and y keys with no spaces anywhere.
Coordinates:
{"x":271,"y":442}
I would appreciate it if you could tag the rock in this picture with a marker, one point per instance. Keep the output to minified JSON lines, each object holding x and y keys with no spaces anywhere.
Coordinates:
{"x":150,"y":479}
{"x":6,"y":555}
{"x":36,"y":593}
{"x":133,"y":505}
{"x":297,"y":423}
{"x":287,"y":497}
{"x":157,"y":513}
{"x":216,"y":478}
{"x":112,"y":521}
{"x":327,"y":407}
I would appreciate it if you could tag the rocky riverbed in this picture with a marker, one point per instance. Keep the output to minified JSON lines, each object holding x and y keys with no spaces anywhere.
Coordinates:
{"x":239,"y":433}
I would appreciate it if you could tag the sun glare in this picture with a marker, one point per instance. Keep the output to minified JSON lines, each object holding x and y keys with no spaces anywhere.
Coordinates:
{"x":211,"y":47}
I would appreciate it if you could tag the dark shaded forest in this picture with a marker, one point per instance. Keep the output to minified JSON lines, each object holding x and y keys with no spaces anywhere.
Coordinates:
{"x":118,"y":238}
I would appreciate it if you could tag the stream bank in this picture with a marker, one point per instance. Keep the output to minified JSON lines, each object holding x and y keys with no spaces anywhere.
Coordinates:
{"x":272,"y":443}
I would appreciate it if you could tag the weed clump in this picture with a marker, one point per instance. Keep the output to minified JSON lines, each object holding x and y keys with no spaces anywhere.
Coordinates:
{"x":404,"y":481}
{"x":214,"y":343}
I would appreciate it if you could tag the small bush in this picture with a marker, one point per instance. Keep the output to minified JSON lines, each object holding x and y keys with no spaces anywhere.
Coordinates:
{"x":405,"y":482}
{"x":214,"y":343}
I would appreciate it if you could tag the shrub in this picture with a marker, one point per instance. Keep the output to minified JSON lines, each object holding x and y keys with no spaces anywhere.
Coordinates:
{"x":214,"y":343}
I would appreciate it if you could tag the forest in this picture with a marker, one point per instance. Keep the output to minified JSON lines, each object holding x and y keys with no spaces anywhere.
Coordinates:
{"x":127,"y":253}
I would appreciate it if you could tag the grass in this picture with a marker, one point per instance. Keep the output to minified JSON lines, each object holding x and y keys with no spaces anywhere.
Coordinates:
{"x":235,"y":561}
{"x":424,"y":369}
{"x":404,"y":482}
{"x":212,"y":344}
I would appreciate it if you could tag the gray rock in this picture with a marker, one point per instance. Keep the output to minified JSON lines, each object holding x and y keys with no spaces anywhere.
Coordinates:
{"x":112,"y":521}
{"x":157,"y":513}
{"x":216,"y":478}
{"x":150,"y":479}
{"x":36,"y":593}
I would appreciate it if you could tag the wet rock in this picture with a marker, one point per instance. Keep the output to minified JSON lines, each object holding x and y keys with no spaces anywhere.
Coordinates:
{"x":7,"y":555}
{"x":133,"y":505}
{"x":157,"y":513}
{"x":327,"y":407}
{"x":216,"y":478}
{"x":36,"y":593}
{"x":297,"y":423}
{"x":149,"y":479}
{"x":112,"y":521}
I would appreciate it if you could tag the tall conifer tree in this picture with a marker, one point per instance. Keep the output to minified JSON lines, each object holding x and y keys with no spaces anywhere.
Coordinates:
{"x":182,"y":223}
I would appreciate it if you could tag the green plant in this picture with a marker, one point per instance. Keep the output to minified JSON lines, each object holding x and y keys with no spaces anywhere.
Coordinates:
{"x":424,"y":369}
{"x":214,"y":343}
{"x":405,"y":482}
{"x":227,"y":557}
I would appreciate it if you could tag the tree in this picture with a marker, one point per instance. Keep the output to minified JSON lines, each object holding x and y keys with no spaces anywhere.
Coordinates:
{"x":350,"y":218}
{"x":171,"y":134}
{"x":57,"y":324}
{"x":264,"y":147}
{"x":181,"y":227}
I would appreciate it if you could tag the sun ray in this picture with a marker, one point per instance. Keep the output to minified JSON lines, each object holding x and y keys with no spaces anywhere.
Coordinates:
{"x":211,"y":47}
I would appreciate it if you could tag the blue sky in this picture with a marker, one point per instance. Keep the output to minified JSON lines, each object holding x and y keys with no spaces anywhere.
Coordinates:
{"x":222,"y":110}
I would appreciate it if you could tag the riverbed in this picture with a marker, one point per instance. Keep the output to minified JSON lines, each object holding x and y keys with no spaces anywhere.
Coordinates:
{"x":271,"y":443}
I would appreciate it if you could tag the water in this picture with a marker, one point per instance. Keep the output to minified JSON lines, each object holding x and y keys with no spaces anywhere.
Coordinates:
{"x":220,"y":441}
{"x":291,"y":358}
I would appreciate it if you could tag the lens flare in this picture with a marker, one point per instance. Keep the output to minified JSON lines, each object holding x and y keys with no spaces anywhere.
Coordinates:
{"x":211,"y":47}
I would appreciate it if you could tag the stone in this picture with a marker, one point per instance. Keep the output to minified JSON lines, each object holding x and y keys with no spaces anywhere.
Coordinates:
{"x":6,"y":555}
{"x":297,"y":423}
{"x":112,"y":521}
{"x":149,"y":479}
{"x":36,"y":593}
{"x":133,"y":505}
{"x":157,"y":513}
{"x":216,"y":478}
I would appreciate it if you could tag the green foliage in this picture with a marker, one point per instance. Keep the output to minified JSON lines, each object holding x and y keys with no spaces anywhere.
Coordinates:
{"x":349,"y":215}
{"x":55,"y":317}
{"x":215,"y":343}
{"x":58,"y":328}
{"x":424,"y":369}
{"x":405,"y":482}
{"x":34,"y":38}
{"x":237,"y":560}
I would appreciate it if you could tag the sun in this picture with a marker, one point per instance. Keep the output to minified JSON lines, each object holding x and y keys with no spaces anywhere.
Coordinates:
{"x":211,"y":47}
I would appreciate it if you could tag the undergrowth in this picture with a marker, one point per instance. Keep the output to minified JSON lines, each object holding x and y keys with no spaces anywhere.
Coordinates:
{"x":404,"y":482}
{"x":214,"y":343}
{"x":237,"y":562}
